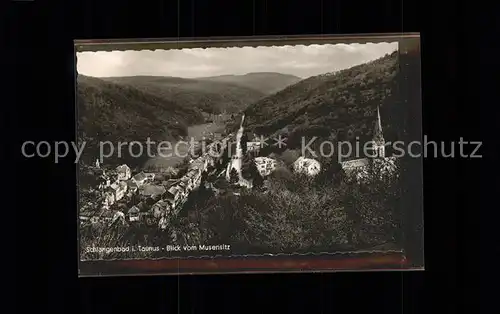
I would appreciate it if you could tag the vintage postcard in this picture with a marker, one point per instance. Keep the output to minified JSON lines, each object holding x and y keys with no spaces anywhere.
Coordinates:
{"x":226,"y":155}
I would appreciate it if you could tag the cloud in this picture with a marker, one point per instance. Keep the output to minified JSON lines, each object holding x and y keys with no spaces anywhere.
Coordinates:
{"x":300,"y":60}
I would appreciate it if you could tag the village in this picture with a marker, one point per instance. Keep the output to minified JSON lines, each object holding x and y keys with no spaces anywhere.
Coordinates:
{"x":149,"y":198}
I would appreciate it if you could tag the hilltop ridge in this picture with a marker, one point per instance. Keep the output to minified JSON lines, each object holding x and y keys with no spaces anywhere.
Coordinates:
{"x":264,"y":82}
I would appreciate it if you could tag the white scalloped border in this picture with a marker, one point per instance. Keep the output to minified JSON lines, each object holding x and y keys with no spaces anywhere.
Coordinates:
{"x":218,"y":256}
{"x":233,"y":47}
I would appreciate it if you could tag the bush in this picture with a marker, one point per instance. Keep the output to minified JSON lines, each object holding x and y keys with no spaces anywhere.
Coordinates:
{"x":286,"y":221}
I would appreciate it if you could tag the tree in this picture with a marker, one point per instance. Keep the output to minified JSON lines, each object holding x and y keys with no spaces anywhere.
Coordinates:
{"x":258,"y":181}
{"x":289,"y":156}
{"x":373,"y":208}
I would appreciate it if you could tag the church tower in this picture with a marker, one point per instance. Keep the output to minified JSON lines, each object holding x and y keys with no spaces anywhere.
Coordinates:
{"x":378,"y":137}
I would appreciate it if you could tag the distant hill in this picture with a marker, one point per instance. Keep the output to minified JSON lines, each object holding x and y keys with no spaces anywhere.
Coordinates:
{"x":120,"y":112}
{"x":206,"y":95}
{"x":264,"y":82}
{"x":337,"y":105}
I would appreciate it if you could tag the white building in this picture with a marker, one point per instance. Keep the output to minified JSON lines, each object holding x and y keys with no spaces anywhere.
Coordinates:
{"x":174,"y":195}
{"x":160,"y":209}
{"x":253,"y":146}
{"x":140,"y":179}
{"x":153,"y":190}
{"x":307,"y":166}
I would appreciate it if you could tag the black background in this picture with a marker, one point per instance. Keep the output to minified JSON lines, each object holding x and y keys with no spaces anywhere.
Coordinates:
{"x":40,"y":106}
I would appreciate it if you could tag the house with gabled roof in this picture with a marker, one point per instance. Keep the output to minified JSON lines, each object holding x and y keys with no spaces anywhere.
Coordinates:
{"x":132,"y":186}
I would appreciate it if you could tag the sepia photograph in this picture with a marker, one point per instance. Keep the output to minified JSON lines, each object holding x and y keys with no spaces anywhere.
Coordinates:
{"x":218,"y":152}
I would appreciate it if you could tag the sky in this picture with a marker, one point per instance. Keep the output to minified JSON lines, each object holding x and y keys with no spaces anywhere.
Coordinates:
{"x":302,"y":61}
